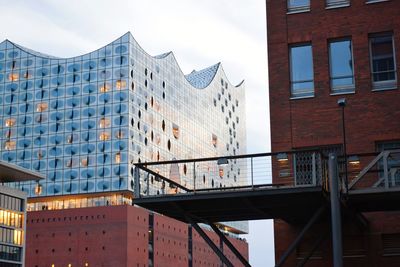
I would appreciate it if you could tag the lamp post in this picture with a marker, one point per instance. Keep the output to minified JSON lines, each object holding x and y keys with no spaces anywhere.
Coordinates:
{"x":342,"y":103}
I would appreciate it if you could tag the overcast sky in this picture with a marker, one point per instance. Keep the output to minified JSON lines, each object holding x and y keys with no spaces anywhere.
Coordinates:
{"x":200,"y":33}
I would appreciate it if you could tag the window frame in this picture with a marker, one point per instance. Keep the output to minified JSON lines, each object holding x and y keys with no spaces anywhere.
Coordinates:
{"x":303,"y":94}
{"x":341,"y":89}
{"x":375,"y":1}
{"x":336,"y":4}
{"x":388,"y":84}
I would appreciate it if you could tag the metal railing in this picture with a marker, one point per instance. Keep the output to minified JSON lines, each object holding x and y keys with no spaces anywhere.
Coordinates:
{"x":290,"y":169}
{"x":377,"y":170}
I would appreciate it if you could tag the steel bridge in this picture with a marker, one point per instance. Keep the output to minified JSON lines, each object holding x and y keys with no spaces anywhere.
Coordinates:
{"x":237,"y":188}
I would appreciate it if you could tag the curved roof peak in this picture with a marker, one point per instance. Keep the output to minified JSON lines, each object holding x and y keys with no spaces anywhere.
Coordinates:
{"x":202,"y":78}
{"x":198,"y":79}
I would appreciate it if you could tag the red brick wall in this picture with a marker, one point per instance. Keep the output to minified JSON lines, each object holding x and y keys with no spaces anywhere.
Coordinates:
{"x":370,"y":116}
{"x":113,"y":236}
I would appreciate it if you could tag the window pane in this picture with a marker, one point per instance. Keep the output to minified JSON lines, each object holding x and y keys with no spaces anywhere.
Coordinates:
{"x":383,"y":63}
{"x":294,"y":5}
{"x":341,"y":65}
{"x":302,"y":75}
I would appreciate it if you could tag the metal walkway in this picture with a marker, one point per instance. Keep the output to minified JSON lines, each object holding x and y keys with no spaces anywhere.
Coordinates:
{"x":235,"y":188}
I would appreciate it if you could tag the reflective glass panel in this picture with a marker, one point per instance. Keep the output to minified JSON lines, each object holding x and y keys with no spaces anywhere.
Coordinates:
{"x":301,"y":71}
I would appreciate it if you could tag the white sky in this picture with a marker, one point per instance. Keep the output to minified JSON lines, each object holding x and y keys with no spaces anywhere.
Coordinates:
{"x":200,"y":33}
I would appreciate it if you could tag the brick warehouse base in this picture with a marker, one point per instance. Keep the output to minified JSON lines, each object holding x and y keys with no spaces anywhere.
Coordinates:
{"x":115,"y":236}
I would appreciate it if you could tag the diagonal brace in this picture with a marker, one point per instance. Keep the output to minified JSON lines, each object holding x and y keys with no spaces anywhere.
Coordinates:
{"x":209,"y":242}
{"x":298,"y":239}
{"x":230,"y":245}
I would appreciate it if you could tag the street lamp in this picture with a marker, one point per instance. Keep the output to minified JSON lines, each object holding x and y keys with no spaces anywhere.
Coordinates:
{"x":342,"y":103}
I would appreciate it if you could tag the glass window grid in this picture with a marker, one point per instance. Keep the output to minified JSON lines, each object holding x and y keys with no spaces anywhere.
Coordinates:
{"x":143,"y":118}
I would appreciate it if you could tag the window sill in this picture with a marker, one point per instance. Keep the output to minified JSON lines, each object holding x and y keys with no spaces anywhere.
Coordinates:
{"x":337,"y":6}
{"x":384,"y":89}
{"x":298,"y":11}
{"x":343,"y":93}
{"x":301,"y":97}
{"x":376,"y":1}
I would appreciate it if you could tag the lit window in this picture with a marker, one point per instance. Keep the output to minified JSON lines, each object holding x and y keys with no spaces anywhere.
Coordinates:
{"x":158,"y":139}
{"x":118,"y":158}
{"x":13,"y":77}
{"x":341,"y":66}
{"x":119,"y":134}
{"x":104,"y":136}
{"x":85,"y":162}
{"x":214,"y":140}
{"x":10,"y":122}
{"x":105,"y":87}
{"x":337,"y":3}
{"x":298,"y":5}
{"x":383,"y":64}
{"x":9,"y":145}
{"x":41,"y":107}
{"x":104,"y":122}
{"x":17,"y":237}
{"x":38,"y":189}
{"x":175,"y":130}
{"x":120,"y":84}
{"x":301,"y":71}
{"x":27,"y":74}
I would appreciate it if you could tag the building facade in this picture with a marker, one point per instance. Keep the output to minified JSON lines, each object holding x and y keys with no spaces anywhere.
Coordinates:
{"x":13,"y":214}
{"x":320,"y":52}
{"x":12,"y":227}
{"x":121,"y":235}
{"x":85,"y":121}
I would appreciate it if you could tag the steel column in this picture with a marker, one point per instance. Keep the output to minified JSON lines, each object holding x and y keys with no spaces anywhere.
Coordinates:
{"x":335,"y":212}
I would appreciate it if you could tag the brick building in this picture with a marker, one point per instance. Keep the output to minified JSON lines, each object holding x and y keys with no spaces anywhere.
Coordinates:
{"x":319,"y":52}
{"x":117,"y":236}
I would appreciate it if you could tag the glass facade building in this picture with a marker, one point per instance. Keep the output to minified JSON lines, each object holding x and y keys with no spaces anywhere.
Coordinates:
{"x":84,"y":121}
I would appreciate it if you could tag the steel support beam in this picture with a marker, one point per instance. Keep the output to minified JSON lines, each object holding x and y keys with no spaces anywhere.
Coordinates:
{"x":296,"y":242}
{"x":217,"y":251}
{"x":230,"y":245}
{"x":335,"y":212}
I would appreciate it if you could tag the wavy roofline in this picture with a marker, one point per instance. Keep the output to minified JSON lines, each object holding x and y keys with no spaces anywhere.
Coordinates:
{"x":163,"y":56}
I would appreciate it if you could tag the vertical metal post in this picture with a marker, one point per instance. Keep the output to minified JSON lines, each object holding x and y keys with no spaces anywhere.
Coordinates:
{"x":314,"y":170}
{"x":194,"y":177}
{"x":137,"y":182}
{"x":252,"y":173}
{"x":346,"y":181}
{"x":148,"y":184}
{"x":335,"y":212}
{"x":385,"y":169}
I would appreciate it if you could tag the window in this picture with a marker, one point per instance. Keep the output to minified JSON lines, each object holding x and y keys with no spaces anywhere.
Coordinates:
{"x":298,"y":5}
{"x":301,"y":71}
{"x":341,"y":66}
{"x":337,"y":3}
{"x":175,"y":130}
{"x":383,"y":65}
